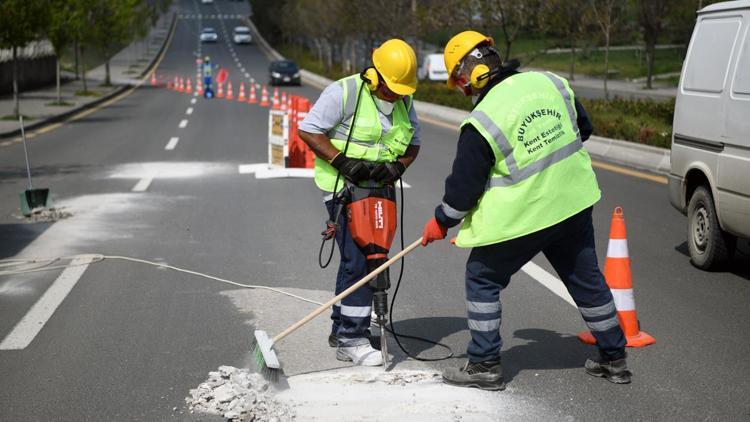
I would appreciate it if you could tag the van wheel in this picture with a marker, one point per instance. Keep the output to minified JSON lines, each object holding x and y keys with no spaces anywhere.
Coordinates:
{"x":709,"y":246}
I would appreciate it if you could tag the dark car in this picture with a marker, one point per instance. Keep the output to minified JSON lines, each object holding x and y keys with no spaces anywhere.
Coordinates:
{"x":284,"y":72}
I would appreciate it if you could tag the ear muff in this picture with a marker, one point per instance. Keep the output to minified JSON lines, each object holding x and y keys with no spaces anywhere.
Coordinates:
{"x":370,"y":77}
{"x":480,"y":76}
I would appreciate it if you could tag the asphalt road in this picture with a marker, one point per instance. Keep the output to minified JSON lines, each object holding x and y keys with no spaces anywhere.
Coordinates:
{"x":129,"y":340}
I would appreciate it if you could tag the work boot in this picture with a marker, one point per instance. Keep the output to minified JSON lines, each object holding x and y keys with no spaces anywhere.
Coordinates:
{"x":333,"y":339}
{"x":615,"y":371}
{"x":363,"y":354}
{"x":487,"y":375}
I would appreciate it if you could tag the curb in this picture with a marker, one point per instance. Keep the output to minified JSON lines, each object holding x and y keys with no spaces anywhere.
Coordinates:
{"x":106,"y":97}
{"x":631,"y":154}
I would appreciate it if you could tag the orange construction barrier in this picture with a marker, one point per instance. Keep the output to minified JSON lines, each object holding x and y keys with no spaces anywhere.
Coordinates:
{"x":620,"y":281}
{"x":220,"y":94}
{"x":275,"y":100}
{"x":264,"y":97}
{"x":189,"y":87}
{"x":230,"y":95}
{"x":242,"y":96}
{"x":300,"y":155}
{"x":252,"y":99}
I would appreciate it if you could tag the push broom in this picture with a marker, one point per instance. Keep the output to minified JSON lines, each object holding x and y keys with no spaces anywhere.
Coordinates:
{"x":265,"y":356}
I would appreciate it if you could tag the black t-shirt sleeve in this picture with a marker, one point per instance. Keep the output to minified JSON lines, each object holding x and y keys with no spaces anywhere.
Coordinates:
{"x":468,"y":179}
{"x":584,"y":123}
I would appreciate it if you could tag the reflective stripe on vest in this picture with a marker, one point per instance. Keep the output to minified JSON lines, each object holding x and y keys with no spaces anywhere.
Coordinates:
{"x":542,"y":174}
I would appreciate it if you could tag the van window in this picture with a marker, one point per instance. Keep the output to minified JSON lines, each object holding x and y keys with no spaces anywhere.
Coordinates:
{"x":708,"y":59}
{"x":742,"y":74}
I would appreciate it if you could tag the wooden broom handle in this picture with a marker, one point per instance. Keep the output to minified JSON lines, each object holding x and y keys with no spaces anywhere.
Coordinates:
{"x":346,"y":292}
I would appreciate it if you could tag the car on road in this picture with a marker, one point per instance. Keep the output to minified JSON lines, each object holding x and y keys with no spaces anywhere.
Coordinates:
{"x":241,"y":35}
{"x":209,"y":35}
{"x":433,"y":68}
{"x":284,"y":72}
{"x":709,"y":180}
{"x":207,"y":1}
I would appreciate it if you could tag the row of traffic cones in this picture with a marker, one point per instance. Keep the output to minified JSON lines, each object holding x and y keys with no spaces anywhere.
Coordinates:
{"x":184,"y":85}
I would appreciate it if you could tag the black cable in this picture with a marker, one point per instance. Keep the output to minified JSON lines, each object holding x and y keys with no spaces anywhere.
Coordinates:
{"x":393,"y":300}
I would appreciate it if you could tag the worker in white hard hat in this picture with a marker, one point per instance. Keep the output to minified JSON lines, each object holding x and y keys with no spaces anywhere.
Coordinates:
{"x":363,"y":127}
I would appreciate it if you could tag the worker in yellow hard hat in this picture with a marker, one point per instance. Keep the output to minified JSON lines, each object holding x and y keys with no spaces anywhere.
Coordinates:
{"x":363,"y":129}
{"x":521,"y":184}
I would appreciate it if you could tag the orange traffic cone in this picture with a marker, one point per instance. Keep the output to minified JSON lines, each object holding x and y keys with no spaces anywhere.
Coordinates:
{"x":230,"y":95}
{"x":220,"y":94}
{"x":153,"y":78}
{"x":283,"y":101}
{"x":620,"y":282}
{"x":242,"y":96}
{"x":170,"y":85}
{"x":189,"y":87}
{"x":275,"y":100}
{"x":252,"y":99}
{"x":181,"y":85}
{"x":199,"y":87}
{"x":264,"y":97}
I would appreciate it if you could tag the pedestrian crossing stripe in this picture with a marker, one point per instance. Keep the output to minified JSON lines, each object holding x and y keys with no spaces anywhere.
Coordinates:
{"x":201,"y":16}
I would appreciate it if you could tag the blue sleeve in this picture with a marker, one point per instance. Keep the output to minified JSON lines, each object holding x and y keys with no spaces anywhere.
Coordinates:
{"x":468,"y":179}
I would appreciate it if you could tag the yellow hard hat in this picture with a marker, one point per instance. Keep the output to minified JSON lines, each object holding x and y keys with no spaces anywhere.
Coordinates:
{"x":459,"y":46}
{"x":397,"y":64}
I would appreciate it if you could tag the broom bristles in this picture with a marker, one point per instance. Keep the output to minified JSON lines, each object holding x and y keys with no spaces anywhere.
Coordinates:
{"x":266,"y":361}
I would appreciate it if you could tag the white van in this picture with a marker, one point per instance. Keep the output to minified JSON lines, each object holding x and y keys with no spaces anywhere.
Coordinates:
{"x":710,"y":176}
{"x":433,"y":68}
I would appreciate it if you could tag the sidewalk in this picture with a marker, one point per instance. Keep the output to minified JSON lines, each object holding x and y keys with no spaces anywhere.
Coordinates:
{"x":126,"y":68}
{"x":618,"y":87}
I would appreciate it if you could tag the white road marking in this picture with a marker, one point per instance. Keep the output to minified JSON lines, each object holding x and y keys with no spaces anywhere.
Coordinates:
{"x":172,"y":143}
{"x":549,"y":281}
{"x":142,"y":184}
{"x":189,"y":111}
{"x":183,"y":123}
{"x":193,"y":101}
{"x":247,"y":75}
{"x":32,"y":323}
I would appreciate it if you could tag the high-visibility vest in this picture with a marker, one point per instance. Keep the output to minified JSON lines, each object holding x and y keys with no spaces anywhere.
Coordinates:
{"x":368,"y":142}
{"x":542,"y":174}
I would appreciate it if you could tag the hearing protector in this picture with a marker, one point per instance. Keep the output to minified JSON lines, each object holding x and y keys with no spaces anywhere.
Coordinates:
{"x":370,"y":77}
{"x":481,"y":73}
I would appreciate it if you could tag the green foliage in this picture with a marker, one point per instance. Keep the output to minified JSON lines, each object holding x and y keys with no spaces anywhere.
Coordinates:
{"x":21,"y":21}
{"x":306,"y":60}
{"x":439,"y":93}
{"x":643,"y":121}
{"x":627,"y":64}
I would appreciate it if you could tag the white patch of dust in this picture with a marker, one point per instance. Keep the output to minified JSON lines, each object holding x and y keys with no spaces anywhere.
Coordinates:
{"x":369,"y":394}
{"x":169,"y":170}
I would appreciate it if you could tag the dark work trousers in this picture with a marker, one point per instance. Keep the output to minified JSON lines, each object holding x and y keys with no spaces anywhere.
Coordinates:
{"x":569,"y":247}
{"x":351,"y":317}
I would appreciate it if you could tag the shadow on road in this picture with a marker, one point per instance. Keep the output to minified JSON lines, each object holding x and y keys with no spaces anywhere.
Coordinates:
{"x":545,"y":350}
{"x":15,"y":237}
{"x":10,"y":174}
{"x":431,"y":328}
{"x":739,"y":265}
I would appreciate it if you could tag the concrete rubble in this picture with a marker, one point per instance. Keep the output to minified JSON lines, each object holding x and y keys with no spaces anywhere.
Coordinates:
{"x":238,"y":395}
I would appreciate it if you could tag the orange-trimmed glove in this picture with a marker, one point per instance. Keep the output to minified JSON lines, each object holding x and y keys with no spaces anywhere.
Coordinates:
{"x":433,"y":231}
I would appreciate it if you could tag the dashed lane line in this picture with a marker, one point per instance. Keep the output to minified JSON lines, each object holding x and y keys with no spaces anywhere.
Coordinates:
{"x":172,"y":143}
{"x":183,"y":123}
{"x":189,"y":111}
{"x":193,"y":101}
{"x":32,"y":323}
{"x":142,"y":184}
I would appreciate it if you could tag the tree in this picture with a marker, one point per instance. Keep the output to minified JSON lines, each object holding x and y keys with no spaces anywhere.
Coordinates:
{"x":512,"y":16}
{"x":607,"y":12}
{"x":20,"y":23}
{"x":60,"y":31}
{"x":568,"y":17}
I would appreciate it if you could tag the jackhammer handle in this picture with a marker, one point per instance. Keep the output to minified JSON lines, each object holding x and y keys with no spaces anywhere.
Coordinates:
{"x":347,"y":292}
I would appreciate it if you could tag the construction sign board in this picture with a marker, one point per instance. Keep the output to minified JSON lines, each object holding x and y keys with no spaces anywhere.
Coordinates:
{"x":278,"y":137}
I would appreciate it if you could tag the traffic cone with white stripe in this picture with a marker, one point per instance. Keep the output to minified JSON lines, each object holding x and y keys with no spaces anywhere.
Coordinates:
{"x":230,"y":94}
{"x":242,"y":96}
{"x":220,"y":94}
{"x":188,"y":87}
{"x":275,"y":100}
{"x":283,"y":101}
{"x":153,"y":78}
{"x":620,"y":281}
{"x":199,"y":87}
{"x":181,"y":85}
{"x":252,"y":99}
{"x":264,"y":97}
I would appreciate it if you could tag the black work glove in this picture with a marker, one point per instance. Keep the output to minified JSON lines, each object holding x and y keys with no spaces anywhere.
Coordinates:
{"x":354,"y":170}
{"x":387,"y":172}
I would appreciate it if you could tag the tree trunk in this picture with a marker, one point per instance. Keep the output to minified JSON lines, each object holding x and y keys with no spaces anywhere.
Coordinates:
{"x":75,"y":52}
{"x":650,"y":52}
{"x":606,"y":65}
{"x":572,"y":73}
{"x":57,"y":80}
{"x":16,"y":108}
{"x":107,"y":79}
{"x":83,"y":74}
